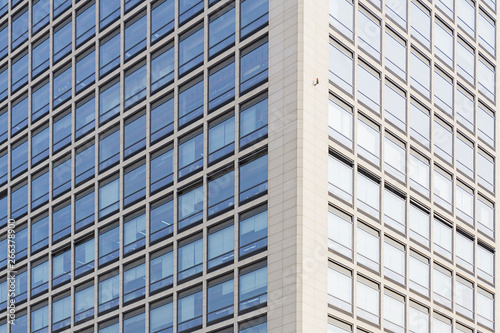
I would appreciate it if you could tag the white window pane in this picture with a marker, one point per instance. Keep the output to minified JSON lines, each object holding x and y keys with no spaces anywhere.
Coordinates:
{"x":368,"y":84}
{"x":342,"y":16}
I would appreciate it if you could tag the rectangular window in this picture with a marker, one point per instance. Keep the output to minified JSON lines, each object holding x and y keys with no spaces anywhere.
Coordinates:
{"x":221,"y":30}
{"x":134,"y":281}
{"x":394,"y":311}
{"x":486,"y":263}
{"x":395,"y":157}
{"x":4,"y":169}
{"x":220,"y":192}
{"x":464,"y":300}
{"x":395,"y":105}
{"x":420,"y":73}
{"x":443,"y":188}
{"x":369,"y":87}
{"x":368,"y":300}
{"x":220,"y":138}
{"x":84,"y":258}
{"x":395,"y":261}
{"x":39,"y":189}
{"x":443,"y":42}
{"x":85,"y":162}
{"x":61,"y":267}
{"x":135,"y":134}
{"x":485,"y":308}
{"x":441,"y":323}
{"x":464,"y":250}
{"x":221,"y":84}
{"x":342,"y":16}
{"x":61,"y":312}
{"x":84,"y":210}
{"x":4,"y":39}
{"x":19,"y":201}
{"x":109,"y":51}
{"x":61,"y":176}
{"x":109,"y":101}
{"x":190,"y":258}
{"x":19,"y":73}
{"x":109,"y":11}
{"x":162,"y":119}
{"x":465,"y":108}
{"x":446,"y":6}
{"x":485,"y":216}
{"x":62,"y":40}
{"x":39,"y":233}
{"x":395,"y":209}
{"x":39,"y":146}
{"x":60,"y":6}
{"x":340,"y":121}
{"x":162,"y":68}
{"x":443,"y":140}
{"x":486,"y":124}
{"x":253,"y":178}
{"x":486,"y":78}
{"x":368,"y":139}
{"x":162,"y":19}
{"x":465,"y":203}
{"x":39,"y":277}
{"x":109,"y":197}
{"x":368,"y":244}
{"x":109,"y":149}
{"x":254,"y":15}
{"x":39,"y":318}
{"x":442,"y":286}
{"x":134,"y":233}
{"x":135,"y":85}
{"x":61,"y":86}
{"x":161,"y":220}
{"x":420,"y":123}
{"x":191,"y":49}
{"x":190,"y":309}
{"x":220,"y":299}
{"x":161,"y":268}
{"x":369,"y":37}
{"x":40,"y":101}
{"x":368,"y":190}
{"x":419,"y":225}
{"x":85,"y":116}
{"x":188,"y":9}
{"x":40,"y":54}
{"x":21,"y":291}
{"x":340,"y":287}
{"x":253,"y":287}
{"x":190,"y":105}
{"x":466,"y":60}
{"x":341,"y":66}
{"x":253,"y":231}
{"x":421,"y":23}
{"x":109,"y":244}
{"x":253,"y":65}
{"x":84,"y":303}
{"x":40,"y":13}
{"x":109,"y":291}
{"x":61,"y":129}
{"x":253,"y":121}
{"x":419,"y":274}
{"x":190,"y":155}
{"x":465,"y":155}
{"x":19,"y":114}
{"x":129,"y":4}
{"x":486,"y":32}
{"x":190,"y":203}
{"x":20,"y":24}
{"x":395,"y":55}
{"x":85,"y":24}
{"x":220,"y":245}
{"x":161,"y":316}
{"x":21,"y":241}
{"x":85,"y":70}
{"x":161,"y":169}
{"x":443,"y":91}
{"x":340,"y":178}
{"x":466,"y":16}
{"x":4,"y":91}
{"x":61,"y":221}
{"x":134,"y":322}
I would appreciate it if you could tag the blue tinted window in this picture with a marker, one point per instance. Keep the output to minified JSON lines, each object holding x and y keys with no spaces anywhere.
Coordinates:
{"x":135,"y":135}
{"x":253,"y":289}
{"x":221,"y":140}
{"x":4,"y":83}
{"x":84,"y":304}
{"x":162,"y":19}
{"x":253,"y":178}
{"x":221,"y":193}
{"x":109,"y":245}
{"x":134,"y":283}
{"x":109,"y":197}
{"x":190,"y":50}
{"x":19,"y":158}
{"x":40,"y":234}
{"x":109,"y":11}
{"x":135,"y":36}
{"x":190,"y":260}
{"x":220,"y":246}
{"x":85,"y":71}
{"x":62,"y":86}
{"x":39,"y":190}
{"x":135,"y":185}
{"x":162,"y":170}
{"x":162,"y":271}
{"x":62,"y":132}
{"x":3,"y":264}
{"x":19,"y":72}
{"x":62,"y":40}
{"x":40,"y":100}
{"x":221,"y":86}
{"x":191,"y":155}
{"x":221,"y":31}
{"x":109,"y":102}
{"x":220,"y":300}
{"x":84,"y":258}
{"x":253,"y":233}
{"x":4,"y":168}
{"x":253,"y":67}
{"x":4,"y":41}
{"x":85,"y":24}
{"x":61,"y":177}
{"x":135,"y":86}
{"x":40,"y":146}
{"x":161,"y":318}
{"x":161,"y":220}
{"x":4,"y":7}
{"x":84,"y":210}
{"x":190,"y":311}
{"x":60,"y":6}
{"x":61,"y":222}
{"x":40,"y":319}
{"x":109,"y":150}
{"x":40,"y":14}
{"x":254,"y":15}
{"x":190,"y":209}
{"x":189,"y":8}
{"x":19,"y":115}
{"x":21,"y":243}
{"x":129,"y":4}
{"x":190,"y":103}
{"x":4,"y":125}
{"x":253,"y":122}
{"x":134,"y":324}
{"x":39,"y":278}
{"x":85,"y":117}
{"x":61,"y":268}
{"x":61,"y":313}
{"x":20,"y":25}
{"x":21,"y":294}
{"x":134,"y":233}
{"x":40,"y":57}
{"x":3,"y":209}
{"x":109,"y":54}
{"x":109,"y":293}
{"x":84,"y":163}
{"x":162,"y":69}
{"x":162,"y":119}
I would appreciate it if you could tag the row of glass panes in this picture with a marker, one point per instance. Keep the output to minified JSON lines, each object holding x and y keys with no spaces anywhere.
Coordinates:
{"x":254,"y":15}
{"x":189,"y":312}
{"x":368,"y":26}
{"x":253,"y":66}
{"x":372,"y":300}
